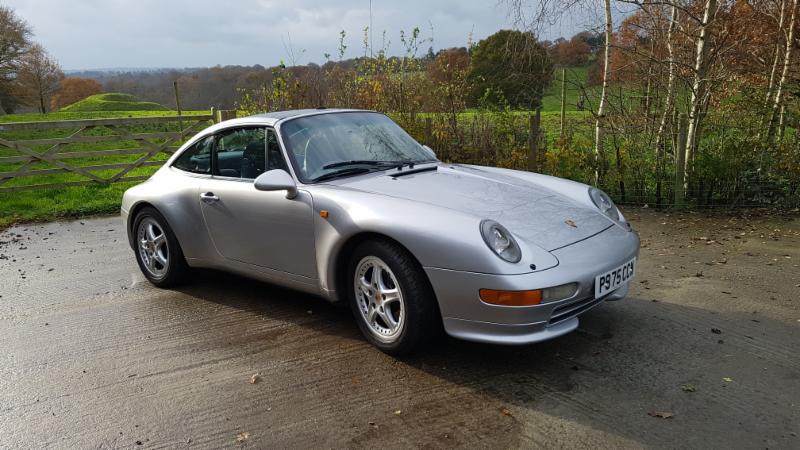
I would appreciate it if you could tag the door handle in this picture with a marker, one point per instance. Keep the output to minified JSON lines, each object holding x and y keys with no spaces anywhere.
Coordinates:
{"x":209,"y":197}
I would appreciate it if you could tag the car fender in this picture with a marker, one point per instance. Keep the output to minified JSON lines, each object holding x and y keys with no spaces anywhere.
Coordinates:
{"x":437,"y":237}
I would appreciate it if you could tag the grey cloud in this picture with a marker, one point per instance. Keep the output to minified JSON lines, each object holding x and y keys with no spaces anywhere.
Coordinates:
{"x":88,"y":34}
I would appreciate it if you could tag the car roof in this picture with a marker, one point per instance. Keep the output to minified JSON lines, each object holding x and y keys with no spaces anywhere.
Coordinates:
{"x":271,"y":118}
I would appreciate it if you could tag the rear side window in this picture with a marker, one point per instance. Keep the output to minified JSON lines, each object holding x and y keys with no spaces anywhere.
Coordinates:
{"x":197,"y":158}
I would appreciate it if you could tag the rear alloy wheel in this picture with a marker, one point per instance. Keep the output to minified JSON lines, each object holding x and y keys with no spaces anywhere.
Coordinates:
{"x":157,"y":251}
{"x":391,"y":297}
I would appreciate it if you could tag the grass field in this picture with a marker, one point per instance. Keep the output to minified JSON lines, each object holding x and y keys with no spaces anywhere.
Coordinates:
{"x":49,"y":204}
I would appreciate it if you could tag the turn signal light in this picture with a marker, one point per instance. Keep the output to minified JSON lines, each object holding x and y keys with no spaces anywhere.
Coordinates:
{"x":511,"y":298}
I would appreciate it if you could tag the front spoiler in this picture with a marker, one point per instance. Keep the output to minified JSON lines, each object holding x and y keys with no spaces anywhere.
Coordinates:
{"x":465,"y":316}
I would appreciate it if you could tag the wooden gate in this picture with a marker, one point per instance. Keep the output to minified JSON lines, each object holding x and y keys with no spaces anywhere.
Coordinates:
{"x":45,"y":155}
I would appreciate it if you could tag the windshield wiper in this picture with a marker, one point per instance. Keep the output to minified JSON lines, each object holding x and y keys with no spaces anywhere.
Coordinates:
{"x":366,"y":162}
{"x":341,"y":173}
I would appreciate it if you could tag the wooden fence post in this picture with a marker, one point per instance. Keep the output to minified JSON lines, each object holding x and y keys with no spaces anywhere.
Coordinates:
{"x":222,"y":115}
{"x":428,"y":131}
{"x":533,"y":141}
{"x":177,"y":103}
{"x":680,"y":163}
{"x":563,"y":101}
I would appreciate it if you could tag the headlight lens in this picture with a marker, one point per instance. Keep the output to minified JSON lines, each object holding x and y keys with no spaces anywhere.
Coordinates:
{"x":500,"y":241}
{"x":604,"y":203}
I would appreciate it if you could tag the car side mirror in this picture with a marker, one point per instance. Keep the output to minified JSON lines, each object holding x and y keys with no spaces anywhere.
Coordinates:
{"x":277,"y":180}
{"x":430,"y":151}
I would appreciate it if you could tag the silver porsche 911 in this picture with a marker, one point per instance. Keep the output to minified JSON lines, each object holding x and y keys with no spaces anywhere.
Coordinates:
{"x":345,"y":205}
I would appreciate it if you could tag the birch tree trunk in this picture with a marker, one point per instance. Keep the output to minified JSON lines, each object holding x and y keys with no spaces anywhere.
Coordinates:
{"x":699,"y":85}
{"x":787,"y":62}
{"x":777,"y":58}
{"x":670,"y":82}
{"x":668,"y":105}
{"x":599,"y":153}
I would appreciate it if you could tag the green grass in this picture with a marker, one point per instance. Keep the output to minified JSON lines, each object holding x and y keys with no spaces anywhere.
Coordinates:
{"x":49,"y":204}
{"x":576,"y":84}
{"x":113,"y":102}
{"x":52,"y":204}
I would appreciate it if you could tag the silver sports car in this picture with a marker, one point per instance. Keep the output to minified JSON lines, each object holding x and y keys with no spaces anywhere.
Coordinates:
{"x":346,"y":205}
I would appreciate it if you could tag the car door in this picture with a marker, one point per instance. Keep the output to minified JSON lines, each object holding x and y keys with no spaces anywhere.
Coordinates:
{"x":259,"y":228}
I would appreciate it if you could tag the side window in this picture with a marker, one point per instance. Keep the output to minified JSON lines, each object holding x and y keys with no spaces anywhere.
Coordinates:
{"x":241,"y":153}
{"x":197,"y":158}
{"x":275,"y":158}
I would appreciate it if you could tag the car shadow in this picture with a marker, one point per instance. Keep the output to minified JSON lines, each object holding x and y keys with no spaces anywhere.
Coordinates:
{"x":628,"y":361}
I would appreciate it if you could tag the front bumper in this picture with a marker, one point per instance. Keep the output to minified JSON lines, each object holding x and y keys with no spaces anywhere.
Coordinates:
{"x":465,"y":316}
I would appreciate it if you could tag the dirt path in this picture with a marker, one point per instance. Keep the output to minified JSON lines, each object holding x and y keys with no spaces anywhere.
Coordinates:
{"x":93,"y":357}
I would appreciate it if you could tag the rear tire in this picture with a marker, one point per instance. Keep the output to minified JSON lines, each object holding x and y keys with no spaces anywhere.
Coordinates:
{"x":157,"y":249}
{"x":395,"y":310}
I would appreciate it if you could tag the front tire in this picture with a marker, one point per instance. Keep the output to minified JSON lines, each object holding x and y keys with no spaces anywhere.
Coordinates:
{"x":157,"y":250}
{"x":391,"y":298}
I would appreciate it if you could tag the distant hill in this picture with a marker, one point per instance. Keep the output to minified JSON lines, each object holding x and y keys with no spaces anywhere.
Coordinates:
{"x":113,"y":102}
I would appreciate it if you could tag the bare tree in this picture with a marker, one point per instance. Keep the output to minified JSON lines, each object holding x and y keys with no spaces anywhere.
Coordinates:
{"x":39,"y":76}
{"x":14,"y":42}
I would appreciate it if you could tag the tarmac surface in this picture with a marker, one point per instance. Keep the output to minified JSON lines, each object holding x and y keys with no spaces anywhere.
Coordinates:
{"x":702,"y":354}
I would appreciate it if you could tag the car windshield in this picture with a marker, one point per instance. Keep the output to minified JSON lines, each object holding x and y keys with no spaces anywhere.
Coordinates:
{"x":324,"y":146}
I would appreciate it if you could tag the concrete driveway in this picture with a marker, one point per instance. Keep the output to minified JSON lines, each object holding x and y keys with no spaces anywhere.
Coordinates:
{"x":704,"y":353}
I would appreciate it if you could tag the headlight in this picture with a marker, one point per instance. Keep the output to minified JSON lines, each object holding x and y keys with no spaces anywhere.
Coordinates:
{"x":604,"y":203}
{"x":500,"y":241}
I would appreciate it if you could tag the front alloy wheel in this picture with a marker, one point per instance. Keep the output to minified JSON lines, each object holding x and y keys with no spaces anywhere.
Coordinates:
{"x":391,"y":297}
{"x":379,"y":298}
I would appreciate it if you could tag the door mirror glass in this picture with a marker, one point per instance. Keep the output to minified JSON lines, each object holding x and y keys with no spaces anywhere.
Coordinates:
{"x":277,"y":180}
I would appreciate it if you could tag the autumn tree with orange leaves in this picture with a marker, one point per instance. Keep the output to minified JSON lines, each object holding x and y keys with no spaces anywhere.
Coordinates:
{"x":74,"y":89}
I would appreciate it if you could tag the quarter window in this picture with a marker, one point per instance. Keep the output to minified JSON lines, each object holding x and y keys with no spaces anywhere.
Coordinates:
{"x":197,"y":158}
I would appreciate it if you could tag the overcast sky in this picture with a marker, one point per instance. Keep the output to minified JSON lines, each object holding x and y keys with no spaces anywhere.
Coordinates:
{"x":89,"y":34}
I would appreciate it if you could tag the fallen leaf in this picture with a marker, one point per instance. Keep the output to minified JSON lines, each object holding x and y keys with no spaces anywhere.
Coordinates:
{"x":688,"y":388}
{"x":505,"y":412}
{"x":398,"y":412}
{"x":661,"y":414}
{"x":571,"y":223}
{"x":727,"y":379}
{"x":242,"y":436}
{"x":255,"y":378}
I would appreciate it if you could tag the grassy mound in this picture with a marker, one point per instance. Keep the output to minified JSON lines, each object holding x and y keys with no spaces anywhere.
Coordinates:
{"x":113,"y":102}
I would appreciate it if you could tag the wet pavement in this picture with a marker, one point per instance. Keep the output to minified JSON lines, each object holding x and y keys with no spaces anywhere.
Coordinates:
{"x":703,"y":353}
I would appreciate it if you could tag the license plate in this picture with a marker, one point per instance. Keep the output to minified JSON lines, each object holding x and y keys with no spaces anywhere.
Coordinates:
{"x":611,"y":280}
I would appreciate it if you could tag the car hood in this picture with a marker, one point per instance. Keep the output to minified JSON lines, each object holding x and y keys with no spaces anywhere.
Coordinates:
{"x":530,"y":211}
